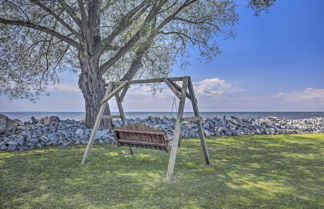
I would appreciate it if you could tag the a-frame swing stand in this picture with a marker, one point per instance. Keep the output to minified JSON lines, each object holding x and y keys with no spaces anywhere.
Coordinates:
{"x":118,"y":90}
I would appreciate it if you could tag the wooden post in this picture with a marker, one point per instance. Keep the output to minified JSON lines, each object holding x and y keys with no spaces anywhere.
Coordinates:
{"x":198,"y":122}
{"x":176,"y":135}
{"x":120,"y":108}
{"x":123,"y":93}
{"x":96,"y":126}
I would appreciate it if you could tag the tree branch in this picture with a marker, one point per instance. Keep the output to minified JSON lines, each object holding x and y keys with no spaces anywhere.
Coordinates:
{"x":106,"y":6}
{"x":40,"y":28}
{"x":70,"y":11}
{"x":122,"y":25}
{"x":83,"y":14}
{"x":137,"y":60}
{"x":60,"y":20}
{"x":196,"y":22}
{"x":173,"y":15}
{"x":140,"y":33}
{"x":180,"y":34}
{"x":21,"y":9}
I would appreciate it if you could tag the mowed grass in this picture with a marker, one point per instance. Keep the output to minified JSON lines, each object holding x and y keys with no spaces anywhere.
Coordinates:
{"x":285,"y":171}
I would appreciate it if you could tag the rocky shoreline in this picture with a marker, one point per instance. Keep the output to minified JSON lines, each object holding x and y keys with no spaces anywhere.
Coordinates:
{"x":37,"y":133}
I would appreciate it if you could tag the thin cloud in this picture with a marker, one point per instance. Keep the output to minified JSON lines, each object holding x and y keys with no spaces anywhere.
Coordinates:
{"x":64,"y":88}
{"x":307,"y":94}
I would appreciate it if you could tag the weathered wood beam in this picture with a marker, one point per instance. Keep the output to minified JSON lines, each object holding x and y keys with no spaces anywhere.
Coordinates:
{"x":199,"y":122}
{"x":114,"y":92}
{"x":175,"y":91}
{"x":154,"y":80}
{"x":179,"y":89}
{"x":176,"y":134}
{"x":123,"y":93}
{"x":122,"y":113}
{"x":191,"y":118}
{"x":111,"y":116}
{"x":120,"y":108}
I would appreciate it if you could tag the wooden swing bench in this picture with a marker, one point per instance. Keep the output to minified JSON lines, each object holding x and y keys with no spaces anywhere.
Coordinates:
{"x":140,"y":135}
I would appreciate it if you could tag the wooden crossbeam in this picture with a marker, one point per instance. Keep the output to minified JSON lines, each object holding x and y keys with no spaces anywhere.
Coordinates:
{"x":172,"y":88}
{"x":191,"y":118}
{"x":114,"y":91}
{"x":111,"y":116}
{"x":176,"y":86}
{"x":154,"y":80}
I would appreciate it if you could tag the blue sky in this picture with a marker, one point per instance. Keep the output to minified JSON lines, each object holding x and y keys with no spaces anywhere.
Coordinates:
{"x":275,"y":63}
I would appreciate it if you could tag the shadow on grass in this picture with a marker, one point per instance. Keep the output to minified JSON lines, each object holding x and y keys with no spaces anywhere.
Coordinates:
{"x":246,"y":172}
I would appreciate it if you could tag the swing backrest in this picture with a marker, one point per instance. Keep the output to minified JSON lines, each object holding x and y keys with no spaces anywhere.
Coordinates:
{"x":140,"y":135}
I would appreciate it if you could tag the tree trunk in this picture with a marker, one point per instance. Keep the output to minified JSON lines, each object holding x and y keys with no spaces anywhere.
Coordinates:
{"x":93,"y":89}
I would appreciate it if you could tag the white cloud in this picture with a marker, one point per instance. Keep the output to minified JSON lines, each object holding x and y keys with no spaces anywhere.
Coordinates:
{"x":61,"y":87}
{"x":214,"y":86}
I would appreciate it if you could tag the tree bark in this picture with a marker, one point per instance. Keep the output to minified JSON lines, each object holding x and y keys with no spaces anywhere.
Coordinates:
{"x":93,"y":89}
{"x":91,"y":82}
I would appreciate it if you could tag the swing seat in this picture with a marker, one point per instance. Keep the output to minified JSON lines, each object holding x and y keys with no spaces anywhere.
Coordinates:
{"x":140,"y":135}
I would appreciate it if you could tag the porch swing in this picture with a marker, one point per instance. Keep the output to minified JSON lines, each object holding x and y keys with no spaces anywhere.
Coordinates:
{"x":140,"y":135}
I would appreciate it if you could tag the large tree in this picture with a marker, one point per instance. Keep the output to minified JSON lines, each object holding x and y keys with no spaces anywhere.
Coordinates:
{"x":105,"y":40}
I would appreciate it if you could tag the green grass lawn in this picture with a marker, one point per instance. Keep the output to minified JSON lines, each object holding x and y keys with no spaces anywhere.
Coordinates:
{"x":246,"y":172}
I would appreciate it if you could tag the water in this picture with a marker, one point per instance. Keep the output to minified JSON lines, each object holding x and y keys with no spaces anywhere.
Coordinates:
{"x":25,"y":116}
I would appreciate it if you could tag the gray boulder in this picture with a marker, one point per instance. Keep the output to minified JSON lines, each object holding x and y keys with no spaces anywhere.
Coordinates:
{"x":7,"y":124}
{"x":79,"y":132}
{"x":50,"y":120}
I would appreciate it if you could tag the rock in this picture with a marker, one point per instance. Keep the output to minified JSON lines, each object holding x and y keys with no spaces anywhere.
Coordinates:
{"x":54,"y":119}
{"x":79,"y":132}
{"x":51,"y":120}
{"x":7,"y":124}
{"x":52,"y":137}
{"x":69,"y":132}
{"x":101,"y":133}
{"x":3,"y":147}
{"x":21,"y":128}
{"x":33,"y":119}
{"x":44,"y":138}
{"x":21,"y":139}
{"x":33,"y":140}
{"x":11,"y":147}
{"x":207,"y":133}
{"x":12,"y":143}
